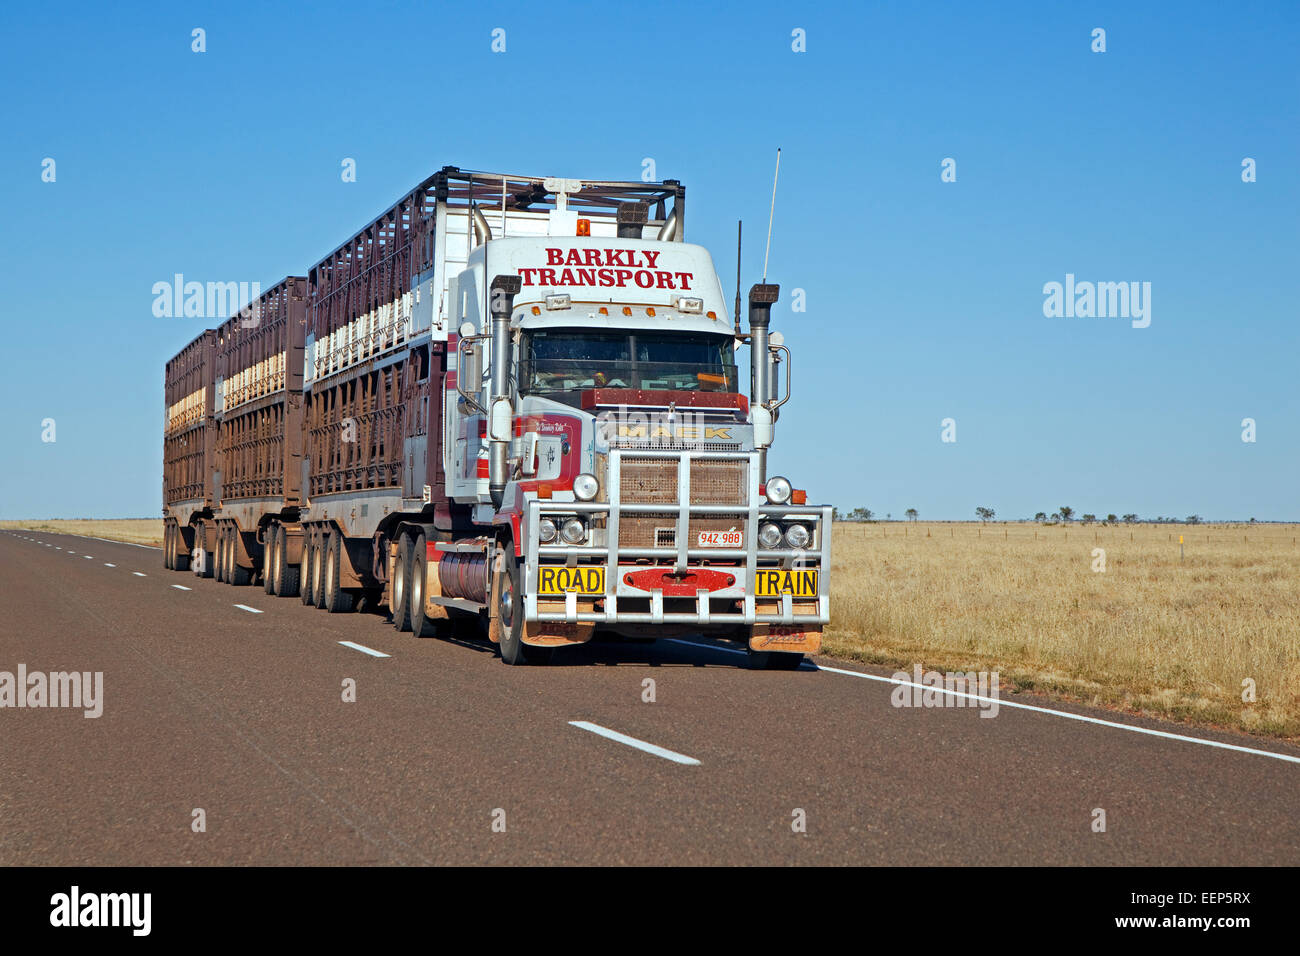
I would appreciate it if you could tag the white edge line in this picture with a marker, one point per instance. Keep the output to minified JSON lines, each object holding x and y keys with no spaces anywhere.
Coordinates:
{"x":363,"y":649}
{"x":139,"y":574}
{"x":107,"y":565}
{"x":1003,"y":702}
{"x":181,"y":587}
{"x":633,"y":742}
{"x":250,"y":610}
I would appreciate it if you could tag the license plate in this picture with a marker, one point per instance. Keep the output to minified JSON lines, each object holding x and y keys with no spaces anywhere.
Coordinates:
{"x":556,"y":579}
{"x":721,"y":539}
{"x":796,"y":583}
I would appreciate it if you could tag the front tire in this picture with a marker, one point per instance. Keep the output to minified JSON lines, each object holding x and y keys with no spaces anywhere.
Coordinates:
{"x":511,"y":610}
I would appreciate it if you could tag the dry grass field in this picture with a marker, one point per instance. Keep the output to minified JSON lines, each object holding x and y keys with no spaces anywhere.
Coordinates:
{"x":1150,"y":634}
{"x":135,"y":530}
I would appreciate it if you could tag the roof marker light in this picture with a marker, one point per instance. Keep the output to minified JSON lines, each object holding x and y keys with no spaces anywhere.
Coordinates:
{"x":584,"y":227}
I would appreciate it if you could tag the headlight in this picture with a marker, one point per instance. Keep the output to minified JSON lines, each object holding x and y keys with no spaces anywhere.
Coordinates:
{"x":585,"y":487}
{"x":574,"y":531}
{"x":769,"y":535}
{"x":778,"y":490}
{"x":797,"y":536}
{"x":546,"y":530}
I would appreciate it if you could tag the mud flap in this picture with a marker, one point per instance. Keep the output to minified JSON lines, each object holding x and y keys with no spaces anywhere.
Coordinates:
{"x":795,"y":639}
{"x":556,"y":634}
{"x":494,"y":595}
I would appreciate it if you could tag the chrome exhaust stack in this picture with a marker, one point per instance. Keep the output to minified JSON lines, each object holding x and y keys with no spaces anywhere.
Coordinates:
{"x":501,"y":302}
{"x":761,"y":299}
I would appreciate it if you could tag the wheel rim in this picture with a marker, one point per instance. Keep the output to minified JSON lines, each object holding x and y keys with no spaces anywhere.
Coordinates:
{"x":507,"y":605}
{"x":315,"y":569}
{"x":329,"y":573}
{"x":399,"y":585}
{"x":417,"y":593}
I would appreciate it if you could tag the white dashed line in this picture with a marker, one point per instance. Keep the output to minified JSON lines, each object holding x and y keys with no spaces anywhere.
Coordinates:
{"x":139,"y":574}
{"x":658,"y":751}
{"x":250,"y":610}
{"x":364,"y":650}
{"x":180,"y":587}
{"x":107,"y":565}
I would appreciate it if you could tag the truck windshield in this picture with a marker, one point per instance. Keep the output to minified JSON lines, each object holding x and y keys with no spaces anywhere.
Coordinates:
{"x":561,"y":363}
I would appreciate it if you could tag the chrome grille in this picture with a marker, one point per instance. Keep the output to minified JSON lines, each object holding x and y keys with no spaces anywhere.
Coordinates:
{"x":714,"y":481}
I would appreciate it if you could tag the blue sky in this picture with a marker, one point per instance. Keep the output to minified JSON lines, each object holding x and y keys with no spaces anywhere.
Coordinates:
{"x":924,"y":298}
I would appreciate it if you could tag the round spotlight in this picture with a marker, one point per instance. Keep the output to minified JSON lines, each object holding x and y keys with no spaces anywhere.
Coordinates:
{"x":546,"y":530}
{"x":778,"y":490}
{"x":769,"y":535}
{"x":797,"y":536}
{"x":574,"y":531}
{"x":585,"y":487}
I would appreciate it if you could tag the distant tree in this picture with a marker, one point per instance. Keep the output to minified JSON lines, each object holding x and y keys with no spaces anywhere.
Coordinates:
{"x":913,"y":514}
{"x":860,"y":514}
{"x":1040,"y":517}
{"x":1111,"y":519}
{"x":1252,"y":520}
{"x":1130,"y":519}
{"x":835,"y":514}
{"x":984,"y":514}
{"x":1088,"y":519}
{"x":1056,"y":516}
{"x":1066,"y":513}
{"x":889,"y":516}
{"x":1194,"y":519}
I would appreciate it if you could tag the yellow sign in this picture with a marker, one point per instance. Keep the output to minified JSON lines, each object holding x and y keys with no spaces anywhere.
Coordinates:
{"x":1180,"y":539}
{"x":557,"y":579}
{"x":796,"y":583}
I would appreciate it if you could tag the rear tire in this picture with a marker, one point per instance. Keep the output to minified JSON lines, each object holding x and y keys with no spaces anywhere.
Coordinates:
{"x":237,"y":574}
{"x":180,"y":554}
{"x":513,"y":649}
{"x":308,"y":568}
{"x":219,"y":571}
{"x":207,"y":557}
{"x":418,"y":573}
{"x":167,"y":547}
{"x":336,"y":600}
{"x":286,"y":574}
{"x":401,"y":591}
{"x":268,"y":560}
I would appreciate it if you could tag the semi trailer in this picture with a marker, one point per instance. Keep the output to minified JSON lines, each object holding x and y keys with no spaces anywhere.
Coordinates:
{"x":509,"y":403}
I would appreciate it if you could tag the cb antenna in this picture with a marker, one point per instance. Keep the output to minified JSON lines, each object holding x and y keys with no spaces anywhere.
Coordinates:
{"x":770,"y":214}
{"x":739,"y":225}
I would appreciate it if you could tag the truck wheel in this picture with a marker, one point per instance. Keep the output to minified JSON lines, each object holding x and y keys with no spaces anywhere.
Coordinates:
{"x":167,"y":547}
{"x":268,"y":559}
{"x":237,"y":574}
{"x":513,"y":649}
{"x":401,"y":592}
{"x":200,"y":544}
{"x":318,"y":569}
{"x":180,"y":554}
{"x":418,"y":576}
{"x":308,"y":567}
{"x":219,"y":568}
{"x":335,"y":599}
{"x":285,"y":581}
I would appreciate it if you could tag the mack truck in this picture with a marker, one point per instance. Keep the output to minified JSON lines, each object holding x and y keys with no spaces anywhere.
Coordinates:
{"x":509,"y":403}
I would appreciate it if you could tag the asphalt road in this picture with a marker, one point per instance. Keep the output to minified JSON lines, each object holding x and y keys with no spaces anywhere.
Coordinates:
{"x":449,"y":756}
